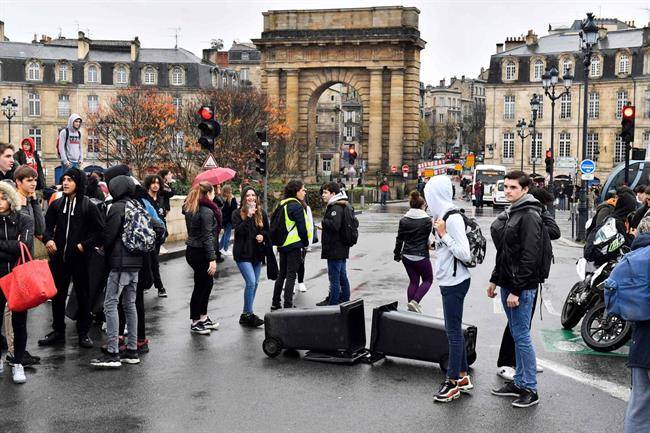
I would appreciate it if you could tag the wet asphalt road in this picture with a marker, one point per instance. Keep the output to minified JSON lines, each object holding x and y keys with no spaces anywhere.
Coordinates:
{"x":225,"y":383}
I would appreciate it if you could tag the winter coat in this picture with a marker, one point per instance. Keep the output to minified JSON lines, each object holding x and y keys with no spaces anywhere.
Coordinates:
{"x":517,"y":242}
{"x":228,"y":210}
{"x":12,"y":226}
{"x":32,"y":159}
{"x":122,"y":189}
{"x":202,"y":230}
{"x":245,"y":246}
{"x":73,"y":220}
{"x":164,"y":196}
{"x":332,"y":246}
{"x":413,"y":234}
{"x":296,"y":213}
{"x":639,"y":356}
{"x":33,"y":210}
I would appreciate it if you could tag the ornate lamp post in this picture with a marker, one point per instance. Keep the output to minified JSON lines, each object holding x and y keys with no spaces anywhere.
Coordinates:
{"x":522,"y":128}
{"x":549,"y":81}
{"x":9,"y":106}
{"x":534,"y":108}
{"x":588,"y":38}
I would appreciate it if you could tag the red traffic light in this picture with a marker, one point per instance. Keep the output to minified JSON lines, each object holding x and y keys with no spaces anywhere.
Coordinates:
{"x":628,"y":112}
{"x":206,"y":113}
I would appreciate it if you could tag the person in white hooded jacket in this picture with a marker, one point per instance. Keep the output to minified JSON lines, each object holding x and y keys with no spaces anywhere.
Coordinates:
{"x":452,"y":249}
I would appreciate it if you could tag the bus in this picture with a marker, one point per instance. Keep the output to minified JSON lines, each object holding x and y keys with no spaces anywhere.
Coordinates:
{"x":489,"y":175}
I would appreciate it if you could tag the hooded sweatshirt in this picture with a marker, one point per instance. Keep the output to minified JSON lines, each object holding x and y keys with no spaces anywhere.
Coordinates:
{"x":453,"y":246}
{"x":332,"y":246}
{"x":72,"y":151}
{"x":122,"y":189}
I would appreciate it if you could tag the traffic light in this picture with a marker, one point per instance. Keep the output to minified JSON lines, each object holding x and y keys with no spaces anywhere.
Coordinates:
{"x":627,"y":124}
{"x":549,"y":161}
{"x":209,"y":127}
{"x":261,"y":135}
{"x":260,"y":161}
{"x":352,"y":155}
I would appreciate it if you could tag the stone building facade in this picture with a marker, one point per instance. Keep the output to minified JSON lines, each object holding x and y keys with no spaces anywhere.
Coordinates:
{"x":52,"y":78}
{"x":375,"y":50}
{"x":619,"y":73}
{"x":242,"y":57}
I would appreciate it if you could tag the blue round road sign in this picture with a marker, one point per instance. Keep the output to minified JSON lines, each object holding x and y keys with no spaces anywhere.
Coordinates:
{"x":587,"y":166}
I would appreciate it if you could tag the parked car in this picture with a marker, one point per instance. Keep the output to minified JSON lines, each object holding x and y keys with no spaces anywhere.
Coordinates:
{"x":439,"y":156}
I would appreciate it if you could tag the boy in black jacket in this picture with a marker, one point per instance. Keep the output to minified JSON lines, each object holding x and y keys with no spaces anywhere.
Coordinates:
{"x":334,"y":251}
{"x":73,"y":226}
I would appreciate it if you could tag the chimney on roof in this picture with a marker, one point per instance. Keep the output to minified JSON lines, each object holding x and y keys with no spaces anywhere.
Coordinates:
{"x":83,"y":46}
{"x":499,"y":48}
{"x":35,"y":40}
{"x":462,"y":79}
{"x":602,"y":33}
{"x":442,"y":83}
{"x":135,"y":49}
{"x":514,"y":42}
{"x":2,"y":31}
{"x":531,"y":38}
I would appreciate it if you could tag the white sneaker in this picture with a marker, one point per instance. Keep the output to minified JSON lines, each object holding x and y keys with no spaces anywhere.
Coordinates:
{"x":302,"y":288}
{"x":226,"y":253}
{"x":414,"y":306}
{"x":309,"y":249}
{"x":19,"y":374}
{"x":540,"y":369}
{"x":507,"y":373}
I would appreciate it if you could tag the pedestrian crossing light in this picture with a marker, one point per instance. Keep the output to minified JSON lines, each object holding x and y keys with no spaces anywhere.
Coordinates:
{"x":260,"y":161}
{"x":627,"y":124}
{"x":209,"y":127}
{"x":548,"y":161}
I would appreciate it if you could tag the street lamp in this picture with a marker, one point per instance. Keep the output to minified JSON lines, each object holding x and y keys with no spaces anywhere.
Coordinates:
{"x":549,"y":81}
{"x":588,"y":38}
{"x":522,"y":128}
{"x":534,"y":108}
{"x":9,"y":106}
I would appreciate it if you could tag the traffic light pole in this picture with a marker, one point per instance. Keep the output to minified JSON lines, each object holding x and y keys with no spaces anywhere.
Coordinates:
{"x":627,"y":163}
{"x":583,"y":207}
{"x":266,"y":179}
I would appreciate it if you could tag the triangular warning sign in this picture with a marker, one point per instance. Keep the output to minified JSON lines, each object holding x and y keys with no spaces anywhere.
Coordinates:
{"x":210,"y":163}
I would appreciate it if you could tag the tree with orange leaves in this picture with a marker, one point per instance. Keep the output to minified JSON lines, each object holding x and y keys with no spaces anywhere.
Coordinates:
{"x":137,"y":126}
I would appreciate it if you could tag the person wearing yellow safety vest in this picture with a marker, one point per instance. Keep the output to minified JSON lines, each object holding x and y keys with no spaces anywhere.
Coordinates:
{"x":299,"y":236}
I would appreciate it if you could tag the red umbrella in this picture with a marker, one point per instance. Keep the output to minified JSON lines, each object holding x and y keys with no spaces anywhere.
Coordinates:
{"x":215,"y":176}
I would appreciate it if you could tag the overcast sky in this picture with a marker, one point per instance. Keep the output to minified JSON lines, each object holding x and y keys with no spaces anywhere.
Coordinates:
{"x":461,"y":35}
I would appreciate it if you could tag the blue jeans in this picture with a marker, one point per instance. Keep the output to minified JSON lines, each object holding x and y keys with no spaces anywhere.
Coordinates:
{"x":251,"y":273}
{"x":453,"y":298}
{"x":225,"y":238}
{"x":339,"y":284}
{"x":637,"y":418}
{"x":519,"y":322}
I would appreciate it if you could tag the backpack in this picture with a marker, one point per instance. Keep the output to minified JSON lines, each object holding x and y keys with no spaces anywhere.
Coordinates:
{"x":157,"y":223}
{"x":477,"y":242}
{"x":627,"y":290}
{"x":546,"y":257}
{"x":278,"y":228}
{"x":349,"y":227}
{"x":65,"y":145}
{"x":138,"y":235}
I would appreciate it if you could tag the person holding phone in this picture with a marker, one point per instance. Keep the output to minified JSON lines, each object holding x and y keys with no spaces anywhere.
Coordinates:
{"x":251,"y":226}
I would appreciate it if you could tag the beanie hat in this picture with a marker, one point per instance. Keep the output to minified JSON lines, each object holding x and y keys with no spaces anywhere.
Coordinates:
{"x":79,"y":178}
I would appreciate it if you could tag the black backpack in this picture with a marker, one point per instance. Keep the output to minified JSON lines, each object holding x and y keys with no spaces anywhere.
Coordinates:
{"x":278,"y":228}
{"x":546,"y":258}
{"x":349,"y":227}
{"x":477,"y":242}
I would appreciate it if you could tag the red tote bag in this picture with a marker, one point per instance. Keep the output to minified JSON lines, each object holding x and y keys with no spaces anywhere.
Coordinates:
{"x":29,"y":284}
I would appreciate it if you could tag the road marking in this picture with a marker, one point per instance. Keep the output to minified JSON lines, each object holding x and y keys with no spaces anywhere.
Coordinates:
{"x":549,"y":308}
{"x":611,"y":388}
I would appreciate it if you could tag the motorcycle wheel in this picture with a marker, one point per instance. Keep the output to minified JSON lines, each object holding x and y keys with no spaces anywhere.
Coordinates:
{"x":604,"y":334}
{"x":571,"y":312}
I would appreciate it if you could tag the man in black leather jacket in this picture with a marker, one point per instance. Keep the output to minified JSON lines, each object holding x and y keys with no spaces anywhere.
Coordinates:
{"x":516,"y":272}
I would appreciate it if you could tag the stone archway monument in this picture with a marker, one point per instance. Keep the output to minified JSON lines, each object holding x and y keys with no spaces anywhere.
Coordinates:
{"x":375,"y":50}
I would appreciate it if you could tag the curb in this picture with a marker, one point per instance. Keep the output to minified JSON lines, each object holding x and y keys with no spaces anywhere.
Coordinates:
{"x":570,"y":243}
{"x":170,"y":255}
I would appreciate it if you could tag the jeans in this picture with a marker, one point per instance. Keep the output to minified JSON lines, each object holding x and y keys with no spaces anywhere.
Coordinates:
{"x":418,"y":270}
{"x":519,"y":322}
{"x":384,"y":197}
{"x":453,"y":298}
{"x":339,"y":284}
{"x":289,"y":264}
{"x":118,"y":282}
{"x":225,"y":238}
{"x":507,"y":356}
{"x":19,"y":325}
{"x":202,"y":282}
{"x":9,"y":329}
{"x":637,"y":418}
{"x":63,"y":273}
{"x":251,"y":273}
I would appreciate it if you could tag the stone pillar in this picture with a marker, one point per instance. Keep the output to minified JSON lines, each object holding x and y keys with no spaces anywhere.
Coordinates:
{"x":396,"y":131}
{"x":374,"y":120}
{"x":273,"y":86}
{"x":292,"y":99}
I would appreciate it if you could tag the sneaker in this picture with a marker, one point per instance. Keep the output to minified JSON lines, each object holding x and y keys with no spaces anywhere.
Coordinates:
{"x":526,"y":399}
{"x":130,"y":357}
{"x":275,"y":307}
{"x":302,"y":288}
{"x":162,"y":293}
{"x":19,"y":374}
{"x":198,"y":328}
{"x":509,"y":389}
{"x":414,"y":306}
{"x":143,"y":346}
{"x":507,"y":373}
{"x":52,"y":339}
{"x":28,"y":359}
{"x":325,"y":302}
{"x":465,"y":384}
{"x":540,"y":369}
{"x":109,"y":360}
{"x":448,"y":391}
{"x":250,"y":320}
{"x":85,"y":342}
{"x":209,"y":324}
{"x":226,"y":253}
